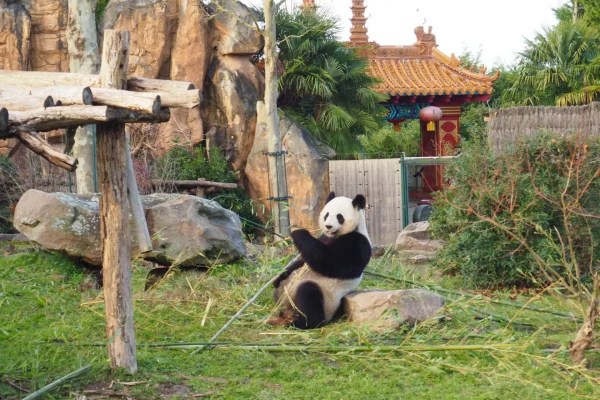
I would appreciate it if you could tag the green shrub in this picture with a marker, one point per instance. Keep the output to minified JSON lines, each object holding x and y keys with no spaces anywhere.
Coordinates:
{"x":181,"y":164}
{"x":512,"y":219}
{"x":385,"y":143}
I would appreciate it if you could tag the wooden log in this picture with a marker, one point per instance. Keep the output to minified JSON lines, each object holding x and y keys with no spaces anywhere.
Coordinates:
{"x":114,"y":221}
{"x":48,"y":119}
{"x":24,"y":103}
{"x":200,"y":191}
{"x":182,"y":99}
{"x":195,"y":184}
{"x":121,"y":98}
{"x":135,"y":204}
{"x":34,"y":142}
{"x":3,"y":119}
{"x":157,"y":85}
{"x":41,"y":79}
{"x":66,"y":95}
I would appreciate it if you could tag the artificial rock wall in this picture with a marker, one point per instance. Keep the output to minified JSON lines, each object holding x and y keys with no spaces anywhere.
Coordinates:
{"x":183,"y":40}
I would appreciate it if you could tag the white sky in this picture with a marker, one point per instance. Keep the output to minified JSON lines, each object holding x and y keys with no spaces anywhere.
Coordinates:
{"x":497,"y":26}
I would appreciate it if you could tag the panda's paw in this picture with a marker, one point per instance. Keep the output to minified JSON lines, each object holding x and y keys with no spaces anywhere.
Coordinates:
{"x":300,"y":234}
{"x":277,"y":282}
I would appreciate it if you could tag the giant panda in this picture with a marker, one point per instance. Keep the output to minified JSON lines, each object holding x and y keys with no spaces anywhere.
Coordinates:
{"x":309,"y":292}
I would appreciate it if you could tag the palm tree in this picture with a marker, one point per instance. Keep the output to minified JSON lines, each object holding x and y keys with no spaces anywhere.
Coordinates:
{"x":324,"y":84}
{"x":559,"y":67}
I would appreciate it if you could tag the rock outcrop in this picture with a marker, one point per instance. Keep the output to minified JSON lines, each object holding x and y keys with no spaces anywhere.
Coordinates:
{"x":234,"y":31}
{"x":306,"y":168}
{"x":15,"y":34}
{"x":204,"y":232}
{"x":152,"y":25}
{"x":48,"y":35}
{"x":388,"y":309}
{"x":416,"y":237}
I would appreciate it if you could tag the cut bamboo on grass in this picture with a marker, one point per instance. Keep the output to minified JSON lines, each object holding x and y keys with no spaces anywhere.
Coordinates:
{"x":57,"y":382}
{"x":465,"y":294}
{"x":248,"y":304}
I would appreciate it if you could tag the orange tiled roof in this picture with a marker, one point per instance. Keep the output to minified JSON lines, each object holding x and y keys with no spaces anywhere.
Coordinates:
{"x":423,"y":70}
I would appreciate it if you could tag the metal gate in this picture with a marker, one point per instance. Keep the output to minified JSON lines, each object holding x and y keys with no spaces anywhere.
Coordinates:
{"x":380,"y":181}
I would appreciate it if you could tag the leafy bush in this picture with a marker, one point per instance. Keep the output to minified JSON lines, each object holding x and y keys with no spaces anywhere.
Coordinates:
{"x":181,"y":164}
{"x":385,"y":143}
{"x":526,"y":216}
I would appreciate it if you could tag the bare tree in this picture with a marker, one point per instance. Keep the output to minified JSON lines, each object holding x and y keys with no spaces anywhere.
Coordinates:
{"x":84,"y":57}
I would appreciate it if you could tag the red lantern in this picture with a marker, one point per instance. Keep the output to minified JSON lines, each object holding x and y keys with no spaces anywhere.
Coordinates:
{"x":430,"y":115}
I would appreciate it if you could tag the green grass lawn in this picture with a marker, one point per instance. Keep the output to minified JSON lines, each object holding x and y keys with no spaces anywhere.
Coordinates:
{"x":52,"y":323}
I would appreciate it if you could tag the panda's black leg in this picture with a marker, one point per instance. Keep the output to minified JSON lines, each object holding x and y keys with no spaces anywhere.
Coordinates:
{"x":309,"y":302}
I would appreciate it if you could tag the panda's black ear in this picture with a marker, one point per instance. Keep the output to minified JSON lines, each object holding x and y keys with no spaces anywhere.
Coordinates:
{"x":359,"y":202}
{"x":330,"y":197}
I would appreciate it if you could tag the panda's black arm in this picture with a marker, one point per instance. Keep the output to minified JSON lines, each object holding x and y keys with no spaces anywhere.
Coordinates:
{"x":312,"y":250}
{"x":288,"y":271}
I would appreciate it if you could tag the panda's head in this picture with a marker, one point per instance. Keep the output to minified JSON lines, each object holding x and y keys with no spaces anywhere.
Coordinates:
{"x":340,"y":215}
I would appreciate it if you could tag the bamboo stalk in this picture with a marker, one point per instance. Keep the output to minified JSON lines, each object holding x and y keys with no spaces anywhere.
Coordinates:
{"x":248,"y":304}
{"x":57,"y":382}
{"x":351,"y":349}
{"x":457,"y":293}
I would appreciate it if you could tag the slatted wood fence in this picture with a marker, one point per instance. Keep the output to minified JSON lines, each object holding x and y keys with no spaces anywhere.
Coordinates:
{"x":381,"y":183}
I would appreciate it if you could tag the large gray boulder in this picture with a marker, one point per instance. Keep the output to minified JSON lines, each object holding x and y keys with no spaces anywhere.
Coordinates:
{"x":416,"y":237}
{"x":234,"y":28}
{"x":307,"y":170}
{"x":388,"y":309}
{"x":186,"y":230}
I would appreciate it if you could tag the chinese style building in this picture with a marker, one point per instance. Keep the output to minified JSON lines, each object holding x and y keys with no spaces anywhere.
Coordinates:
{"x":418,"y":76}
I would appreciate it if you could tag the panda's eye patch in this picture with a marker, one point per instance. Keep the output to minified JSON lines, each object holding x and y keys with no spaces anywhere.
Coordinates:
{"x":340,"y":219}
{"x":325,"y":218}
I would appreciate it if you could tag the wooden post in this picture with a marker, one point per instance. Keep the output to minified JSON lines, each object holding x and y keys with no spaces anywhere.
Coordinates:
{"x":135,"y":203}
{"x":114,"y":222}
{"x":200,"y":189}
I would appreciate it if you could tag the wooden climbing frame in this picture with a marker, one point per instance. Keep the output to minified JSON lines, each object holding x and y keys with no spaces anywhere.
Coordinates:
{"x":33,"y":102}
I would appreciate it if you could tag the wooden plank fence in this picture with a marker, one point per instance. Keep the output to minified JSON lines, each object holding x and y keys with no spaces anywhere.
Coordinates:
{"x":381,"y":183}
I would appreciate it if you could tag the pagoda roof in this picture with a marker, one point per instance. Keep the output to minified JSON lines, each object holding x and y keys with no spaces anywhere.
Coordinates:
{"x":423,"y":70}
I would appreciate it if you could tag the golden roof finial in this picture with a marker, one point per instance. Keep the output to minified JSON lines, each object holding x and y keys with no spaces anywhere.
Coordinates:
{"x":358,"y":31}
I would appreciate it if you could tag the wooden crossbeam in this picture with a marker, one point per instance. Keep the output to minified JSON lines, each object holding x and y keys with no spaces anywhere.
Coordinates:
{"x":34,"y":142}
{"x":24,"y":103}
{"x":41,"y":79}
{"x":194,"y":184}
{"x":148,"y":103}
{"x":66,"y":95}
{"x":48,"y":119}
